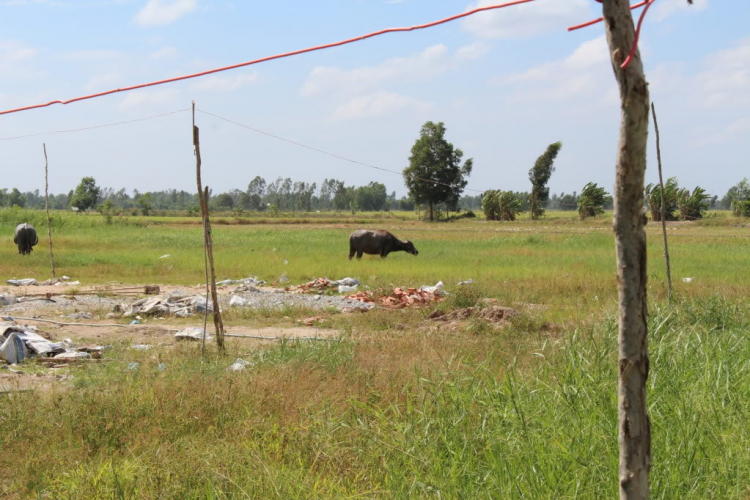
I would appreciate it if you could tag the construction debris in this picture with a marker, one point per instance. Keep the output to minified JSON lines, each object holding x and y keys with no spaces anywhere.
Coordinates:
{"x":400,"y":298}
{"x":7,"y":299}
{"x":181,"y":306}
{"x":192,"y":333}
{"x":345,"y":285}
{"x":254,"y":281}
{"x":22,"y":342}
{"x":63,"y":280}
{"x":239,"y":365}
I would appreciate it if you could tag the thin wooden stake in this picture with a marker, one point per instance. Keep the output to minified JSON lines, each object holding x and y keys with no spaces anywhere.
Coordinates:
{"x":663,"y":206}
{"x":207,"y":240}
{"x":46,"y":204}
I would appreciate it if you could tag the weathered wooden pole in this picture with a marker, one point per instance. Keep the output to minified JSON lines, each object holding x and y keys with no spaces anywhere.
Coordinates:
{"x":207,"y":239}
{"x":663,"y":206}
{"x":46,"y":205}
{"x":634,"y":427}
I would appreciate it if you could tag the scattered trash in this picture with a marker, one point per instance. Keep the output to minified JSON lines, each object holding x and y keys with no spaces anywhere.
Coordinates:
{"x":687,"y":280}
{"x":254,"y":281}
{"x":72,"y":355}
{"x":63,"y":280}
{"x":236,"y":300}
{"x":165,"y":256}
{"x":347,"y":289}
{"x":286,"y":262}
{"x":284,"y":278}
{"x":161,"y":367}
{"x":13,"y":349}
{"x":191,"y":333}
{"x":20,"y":342}
{"x":345,"y":285}
{"x":435,"y":290}
{"x":239,"y":365}
{"x":467,"y":282}
{"x":132,"y":367}
{"x":135,"y":322}
{"x":23,"y":282}
{"x":140,"y":347}
{"x":7,"y":299}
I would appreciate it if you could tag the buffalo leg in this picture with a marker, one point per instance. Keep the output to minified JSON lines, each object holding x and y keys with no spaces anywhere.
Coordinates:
{"x":359,"y":254}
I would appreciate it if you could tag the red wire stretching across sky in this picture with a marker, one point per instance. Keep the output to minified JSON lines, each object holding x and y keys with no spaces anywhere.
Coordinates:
{"x":270,"y":58}
{"x":633,"y":48}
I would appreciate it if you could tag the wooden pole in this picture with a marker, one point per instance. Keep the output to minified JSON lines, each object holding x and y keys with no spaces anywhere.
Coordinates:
{"x":46,"y":205}
{"x":663,"y":206}
{"x":634,"y":425}
{"x":207,"y":239}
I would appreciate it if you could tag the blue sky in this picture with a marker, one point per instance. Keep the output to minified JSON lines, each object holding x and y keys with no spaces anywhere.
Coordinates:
{"x":506,"y":84}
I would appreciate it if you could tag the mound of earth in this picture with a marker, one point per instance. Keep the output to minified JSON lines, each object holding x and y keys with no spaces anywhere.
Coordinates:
{"x":494,"y":314}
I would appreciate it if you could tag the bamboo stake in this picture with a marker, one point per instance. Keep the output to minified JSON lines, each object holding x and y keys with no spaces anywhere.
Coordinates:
{"x":46,"y":204}
{"x":208,"y":241}
{"x":663,"y":207}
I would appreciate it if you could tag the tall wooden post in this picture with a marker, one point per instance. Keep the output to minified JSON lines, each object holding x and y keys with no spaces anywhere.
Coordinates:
{"x":663,"y":206}
{"x":207,"y":239}
{"x":630,"y":237}
{"x":46,"y":205}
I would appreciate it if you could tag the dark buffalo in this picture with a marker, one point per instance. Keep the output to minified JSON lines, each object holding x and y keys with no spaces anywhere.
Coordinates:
{"x":377,"y":243}
{"x":25,"y":238}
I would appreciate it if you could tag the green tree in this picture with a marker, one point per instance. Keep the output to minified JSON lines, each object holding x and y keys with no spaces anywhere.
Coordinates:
{"x":146,"y":202}
{"x":108,"y":210}
{"x":653,"y":196}
{"x":86,"y":194}
{"x":693,"y":205}
{"x":500,"y":205}
{"x":435,"y":174}
{"x":539,"y":176}
{"x":16,"y":199}
{"x":255,"y":191}
{"x":224,"y":201}
{"x":591,"y":201}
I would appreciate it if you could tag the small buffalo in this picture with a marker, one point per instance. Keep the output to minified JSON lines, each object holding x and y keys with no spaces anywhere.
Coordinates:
{"x":377,"y":243}
{"x":25,"y":237}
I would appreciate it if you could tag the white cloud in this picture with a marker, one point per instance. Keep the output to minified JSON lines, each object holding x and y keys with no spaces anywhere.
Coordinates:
{"x":225,"y":82}
{"x":473,"y":51}
{"x":585,"y":73}
{"x":665,"y":8}
{"x":164,"y":11}
{"x":143,"y":97}
{"x":91,"y":55}
{"x":15,"y":60}
{"x":164,"y":53}
{"x":429,"y":63}
{"x":378,"y":105}
{"x":98,"y":82}
{"x":524,"y":20}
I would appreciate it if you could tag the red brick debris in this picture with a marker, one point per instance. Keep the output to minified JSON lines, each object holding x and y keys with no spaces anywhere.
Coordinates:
{"x":399,"y":299}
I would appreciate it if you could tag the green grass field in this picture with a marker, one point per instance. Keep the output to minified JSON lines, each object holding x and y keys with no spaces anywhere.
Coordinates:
{"x":396,"y":409}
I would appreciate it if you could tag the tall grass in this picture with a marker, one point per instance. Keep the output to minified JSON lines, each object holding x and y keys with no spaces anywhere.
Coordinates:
{"x":402,"y":415}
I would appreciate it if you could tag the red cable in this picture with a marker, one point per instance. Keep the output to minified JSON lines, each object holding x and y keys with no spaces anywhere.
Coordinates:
{"x":270,"y":58}
{"x":584,"y":25}
{"x":637,"y":35}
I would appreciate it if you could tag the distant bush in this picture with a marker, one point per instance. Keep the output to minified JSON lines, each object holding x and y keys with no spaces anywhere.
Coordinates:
{"x":500,"y":205}
{"x":741,"y":208}
{"x":653,"y":197}
{"x":591,"y":201}
{"x":693,"y":205}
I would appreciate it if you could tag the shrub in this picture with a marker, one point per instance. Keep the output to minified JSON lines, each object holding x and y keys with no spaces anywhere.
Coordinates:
{"x":653,"y":197}
{"x":500,"y":205}
{"x":692,"y":205}
{"x":591,"y":201}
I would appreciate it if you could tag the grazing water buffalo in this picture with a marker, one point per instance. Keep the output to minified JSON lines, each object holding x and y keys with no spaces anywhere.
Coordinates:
{"x":25,"y":238}
{"x":377,"y":243}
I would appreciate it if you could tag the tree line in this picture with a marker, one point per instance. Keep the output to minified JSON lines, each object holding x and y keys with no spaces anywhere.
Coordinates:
{"x":435,"y":177}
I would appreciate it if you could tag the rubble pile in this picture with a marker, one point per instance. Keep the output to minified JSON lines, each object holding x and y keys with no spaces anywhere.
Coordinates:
{"x":19,"y":342}
{"x":400,"y":298}
{"x":178,"y":305}
{"x":320,"y":285}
